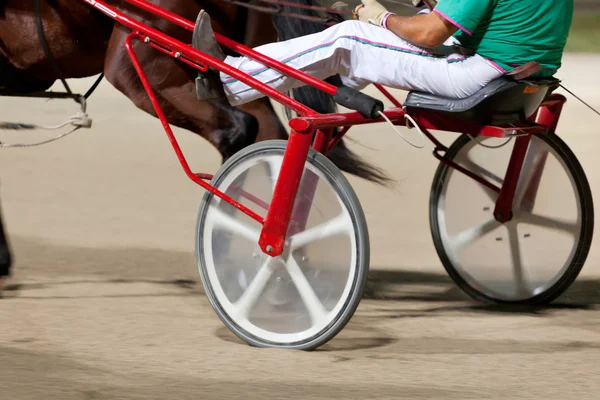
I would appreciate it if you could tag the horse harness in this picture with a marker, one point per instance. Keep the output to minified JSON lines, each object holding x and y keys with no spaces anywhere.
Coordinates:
{"x":334,"y":14}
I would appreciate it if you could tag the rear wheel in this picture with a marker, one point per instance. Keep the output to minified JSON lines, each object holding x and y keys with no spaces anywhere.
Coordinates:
{"x":534,"y":257}
{"x":304,"y":297}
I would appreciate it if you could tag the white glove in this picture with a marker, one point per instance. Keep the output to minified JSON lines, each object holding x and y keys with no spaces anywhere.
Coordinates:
{"x":372,"y":12}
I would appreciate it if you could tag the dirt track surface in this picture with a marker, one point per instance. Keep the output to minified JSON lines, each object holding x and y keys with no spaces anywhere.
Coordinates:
{"x":106,"y":301}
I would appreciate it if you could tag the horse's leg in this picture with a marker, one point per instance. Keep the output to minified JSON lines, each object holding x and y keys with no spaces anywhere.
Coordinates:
{"x":260,"y":30}
{"x":269,"y":124}
{"x":5,"y":256}
{"x":227,"y":128}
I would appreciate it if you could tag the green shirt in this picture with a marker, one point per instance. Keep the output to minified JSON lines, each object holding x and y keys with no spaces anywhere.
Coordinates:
{"x":512,"y":32}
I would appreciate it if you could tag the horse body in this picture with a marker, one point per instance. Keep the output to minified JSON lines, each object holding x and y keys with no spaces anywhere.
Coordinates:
{"x":84,"y":43}
{"x":76,"y":35}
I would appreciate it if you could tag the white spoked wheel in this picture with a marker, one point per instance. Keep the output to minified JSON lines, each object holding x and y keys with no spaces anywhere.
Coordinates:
{"x":304,"y":297}
{"x":534,"y":257}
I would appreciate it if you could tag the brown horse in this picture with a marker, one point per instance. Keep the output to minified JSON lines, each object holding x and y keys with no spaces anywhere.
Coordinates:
{"x":85,"y":43}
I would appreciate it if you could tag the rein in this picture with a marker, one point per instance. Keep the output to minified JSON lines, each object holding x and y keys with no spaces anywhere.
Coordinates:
{"x":335,"y":13}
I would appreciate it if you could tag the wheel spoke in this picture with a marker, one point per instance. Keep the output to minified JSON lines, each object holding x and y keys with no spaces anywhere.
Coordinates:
{"x":225,"y":221}
{"x":247,"y":301}
{"x":517,"y":261}
{"x":459,"y":241}
{"x":481,"y":171}
{"x":552,"y":223}
{"x":314,"y":306}
{"x":322,"y":231}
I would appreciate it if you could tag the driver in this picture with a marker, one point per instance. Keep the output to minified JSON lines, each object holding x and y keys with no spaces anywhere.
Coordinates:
{"x":453,"y":51}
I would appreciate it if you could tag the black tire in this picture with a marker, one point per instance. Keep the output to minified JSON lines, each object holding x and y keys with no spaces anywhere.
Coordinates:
{"x":582,"y":248}
{"x":343,"y":189}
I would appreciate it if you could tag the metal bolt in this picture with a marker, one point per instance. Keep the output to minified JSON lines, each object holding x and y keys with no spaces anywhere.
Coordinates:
{"x":147,"y":40}
{"x":177,"y":55}
{"x":269,"y":248}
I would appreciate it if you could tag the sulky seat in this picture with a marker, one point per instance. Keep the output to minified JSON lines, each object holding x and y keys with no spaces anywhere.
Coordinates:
{"x":504,"y":100}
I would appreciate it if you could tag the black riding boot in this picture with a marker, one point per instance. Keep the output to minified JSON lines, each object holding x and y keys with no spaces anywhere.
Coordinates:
{"x":208,"y":84}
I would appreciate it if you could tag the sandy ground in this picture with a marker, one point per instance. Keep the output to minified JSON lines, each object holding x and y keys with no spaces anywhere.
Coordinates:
{"x":107,"y":302}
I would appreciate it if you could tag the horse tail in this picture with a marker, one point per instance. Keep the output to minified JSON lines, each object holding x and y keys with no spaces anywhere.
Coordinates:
{"x":344,"y":158}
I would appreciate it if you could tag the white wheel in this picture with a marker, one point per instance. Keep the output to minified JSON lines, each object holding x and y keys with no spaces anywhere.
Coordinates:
{"x":534,"y":257}
{"x":304,"y":297}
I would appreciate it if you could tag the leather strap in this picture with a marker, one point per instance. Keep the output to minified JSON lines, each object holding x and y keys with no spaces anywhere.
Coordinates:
{"x":524,"y":70}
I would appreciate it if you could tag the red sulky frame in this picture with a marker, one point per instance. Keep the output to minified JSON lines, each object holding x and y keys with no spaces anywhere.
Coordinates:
{"x":309,"y":123}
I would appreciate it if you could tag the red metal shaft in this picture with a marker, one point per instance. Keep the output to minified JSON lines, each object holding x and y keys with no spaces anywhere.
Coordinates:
{"x":274,"y":230}
{"x":548,"y":115}
{"x":322,"y":139}
{"x":549,"y":112}
{"x":322,"y":121}
{"x":340,"y":135}
{"x":465,"y":171}
{"x":308,"y":186}
{"x":504,"y":204}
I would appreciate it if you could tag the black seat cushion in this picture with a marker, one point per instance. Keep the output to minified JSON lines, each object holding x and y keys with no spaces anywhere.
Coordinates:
{"x":502,"y":101}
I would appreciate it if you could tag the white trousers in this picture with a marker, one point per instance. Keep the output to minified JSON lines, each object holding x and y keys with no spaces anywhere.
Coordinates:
{"x":361,"y":54}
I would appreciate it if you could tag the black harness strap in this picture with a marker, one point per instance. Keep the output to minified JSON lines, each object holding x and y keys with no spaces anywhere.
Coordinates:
{"x":44,"y":43}
{"x":50,"y":56}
